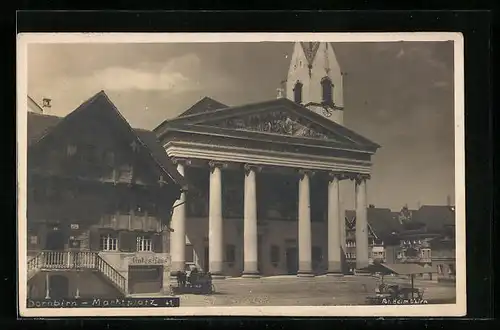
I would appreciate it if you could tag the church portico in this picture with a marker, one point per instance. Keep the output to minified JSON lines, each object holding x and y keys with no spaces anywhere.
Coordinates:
{"x":265,"y":197}
{"x":254,"y":219}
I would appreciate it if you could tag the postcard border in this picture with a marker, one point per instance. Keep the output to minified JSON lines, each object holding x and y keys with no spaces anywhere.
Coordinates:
{"x":457,"y":309}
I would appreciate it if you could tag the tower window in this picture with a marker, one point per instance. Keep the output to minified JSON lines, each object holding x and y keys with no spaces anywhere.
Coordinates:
{"x":327,"y":87}
{"x":297,"y":92}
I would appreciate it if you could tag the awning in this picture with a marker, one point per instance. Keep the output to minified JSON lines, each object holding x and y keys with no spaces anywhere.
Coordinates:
{"x":399,"y":269}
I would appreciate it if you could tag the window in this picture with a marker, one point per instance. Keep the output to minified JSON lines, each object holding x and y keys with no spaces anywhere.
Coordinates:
{"x":426,"y":253}
{"x":109,"y":242}
{"x":33,"y":239}
{"x":71,"y":150}
{"x":230,"y":253}
{"x":275,"y":254}
{"x":297,"y":92}
{"x":327,"y":88}
{"x":139,"y":209}
{"x":144,"y":243}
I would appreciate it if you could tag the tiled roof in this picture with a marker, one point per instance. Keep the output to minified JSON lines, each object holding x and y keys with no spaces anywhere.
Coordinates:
{"x":38,"y":125}
{"x":381,"y":221}
{"x":206,"y":104}
{"x":435,"y":217}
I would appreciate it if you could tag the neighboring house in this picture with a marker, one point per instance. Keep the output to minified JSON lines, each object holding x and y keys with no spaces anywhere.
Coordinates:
{"x":428,"y":238}
{"x":100,"y":198}
{"x":33,"y":106}
{"x":383,"y":229}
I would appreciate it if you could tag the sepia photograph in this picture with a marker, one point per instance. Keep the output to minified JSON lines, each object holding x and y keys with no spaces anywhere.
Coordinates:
{"x":241,"y":174}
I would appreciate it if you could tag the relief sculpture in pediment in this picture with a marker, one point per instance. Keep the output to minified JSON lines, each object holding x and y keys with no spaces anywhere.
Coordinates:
{"x":277,"y":123}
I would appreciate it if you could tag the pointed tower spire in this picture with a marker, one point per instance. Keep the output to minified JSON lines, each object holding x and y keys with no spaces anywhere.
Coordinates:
{"x":315,"y":79}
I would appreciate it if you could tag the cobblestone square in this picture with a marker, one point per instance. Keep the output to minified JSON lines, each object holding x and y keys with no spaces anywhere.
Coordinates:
{"x":317,"y":291}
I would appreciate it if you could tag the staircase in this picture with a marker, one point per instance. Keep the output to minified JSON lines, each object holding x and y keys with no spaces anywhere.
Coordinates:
{"x":76,"y":260}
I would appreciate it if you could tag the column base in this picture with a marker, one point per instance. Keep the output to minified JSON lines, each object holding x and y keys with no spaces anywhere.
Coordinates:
{"x":250,"y":275}
{"x":305,"y":273}
{"x":335,"y":274}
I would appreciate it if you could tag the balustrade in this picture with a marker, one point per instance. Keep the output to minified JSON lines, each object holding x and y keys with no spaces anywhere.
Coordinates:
{"x":65,"y":260}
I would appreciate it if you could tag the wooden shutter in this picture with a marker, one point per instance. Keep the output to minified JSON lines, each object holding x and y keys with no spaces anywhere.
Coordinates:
{"x":157,"y":243}
{"x":127,"y":241}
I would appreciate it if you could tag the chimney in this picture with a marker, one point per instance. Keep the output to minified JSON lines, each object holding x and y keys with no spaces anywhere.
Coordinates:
{"x":46,"y":102}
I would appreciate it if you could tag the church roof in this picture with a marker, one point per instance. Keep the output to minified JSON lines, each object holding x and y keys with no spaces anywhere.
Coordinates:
{"x":243,"y":121}
{"x":40,"y":125}
{"x":203,"y":105}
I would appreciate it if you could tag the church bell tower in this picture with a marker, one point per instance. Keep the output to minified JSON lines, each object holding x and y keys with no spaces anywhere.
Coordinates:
{"x":315,"y":80}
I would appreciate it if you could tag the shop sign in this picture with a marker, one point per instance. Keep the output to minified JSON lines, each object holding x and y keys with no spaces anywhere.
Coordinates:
{"x":155,"y":259}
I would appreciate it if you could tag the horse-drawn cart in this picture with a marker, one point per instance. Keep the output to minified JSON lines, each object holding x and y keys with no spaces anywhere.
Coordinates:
{"x":195,"y":283}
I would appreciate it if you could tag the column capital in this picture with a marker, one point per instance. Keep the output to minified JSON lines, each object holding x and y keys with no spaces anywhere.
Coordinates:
{"x":332,"y":175}
{"x":181,"y":161}
{"x":303,"y":172}
{"x":249,"y":167}
{"x":359,"y":177}
{"x":216,"y":164}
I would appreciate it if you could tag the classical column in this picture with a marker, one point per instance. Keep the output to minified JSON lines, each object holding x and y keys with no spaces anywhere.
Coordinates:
{"x":305,"y":252}
{"x":215,"y":225}
{"x":334,"y":225}
{"x":77,"y":294}
{"x":178,"y":224}
{"x":47,"y":285}
{"x":362,"y":246}
{"x":250,"y":268}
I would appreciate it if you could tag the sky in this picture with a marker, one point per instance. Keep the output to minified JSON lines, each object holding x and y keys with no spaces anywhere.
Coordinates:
{"x":398,"y":94}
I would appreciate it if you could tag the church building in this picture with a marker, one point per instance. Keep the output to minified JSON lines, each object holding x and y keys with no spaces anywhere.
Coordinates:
{"x":264,"y":178}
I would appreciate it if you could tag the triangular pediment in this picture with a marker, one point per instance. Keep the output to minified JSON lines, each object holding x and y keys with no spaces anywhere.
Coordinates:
{"x":278,"y":121}
{"x":278,"y":117}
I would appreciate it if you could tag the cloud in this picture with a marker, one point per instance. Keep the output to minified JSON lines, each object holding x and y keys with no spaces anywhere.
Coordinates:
{"x":169,"y":76}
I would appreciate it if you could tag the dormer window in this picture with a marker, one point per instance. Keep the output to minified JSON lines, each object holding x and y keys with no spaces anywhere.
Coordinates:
{"x":327,"y":88}
{"x":71,"y":150}
{"x":297,"y":92}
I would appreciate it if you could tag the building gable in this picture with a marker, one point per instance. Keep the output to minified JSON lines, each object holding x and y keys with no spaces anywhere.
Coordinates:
{"x":279,"y":117}
{"x":99,"y":122}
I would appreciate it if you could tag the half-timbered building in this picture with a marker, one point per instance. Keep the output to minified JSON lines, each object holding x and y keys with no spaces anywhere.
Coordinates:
{"x":100,"y":198}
